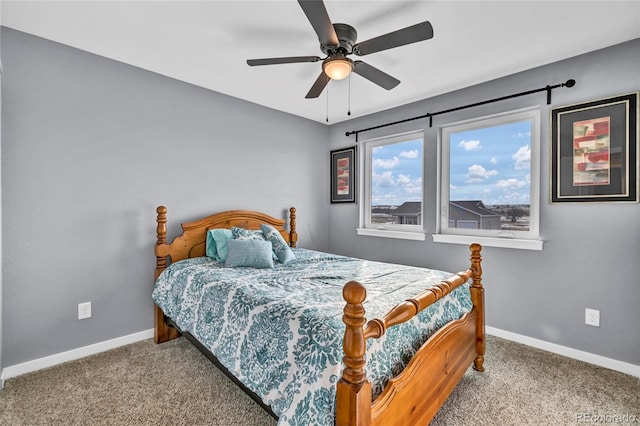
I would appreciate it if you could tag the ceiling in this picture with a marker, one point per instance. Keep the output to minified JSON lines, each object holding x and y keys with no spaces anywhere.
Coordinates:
{"x":207,"y":43}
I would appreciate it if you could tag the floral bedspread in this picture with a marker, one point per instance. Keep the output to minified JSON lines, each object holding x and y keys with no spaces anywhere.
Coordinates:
{"x":279,"y":331}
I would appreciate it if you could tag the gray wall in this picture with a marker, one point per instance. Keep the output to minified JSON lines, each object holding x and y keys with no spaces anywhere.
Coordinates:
{"x":591,"y":251}
{"x":90,"y":147}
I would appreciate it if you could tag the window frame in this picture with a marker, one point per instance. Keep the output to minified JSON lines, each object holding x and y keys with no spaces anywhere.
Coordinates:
{"x":401,"y":231}
{"x":497,"y":238}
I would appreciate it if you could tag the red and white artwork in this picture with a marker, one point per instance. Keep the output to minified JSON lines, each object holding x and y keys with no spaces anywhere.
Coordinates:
{"x":343,"y":176}
{"x":591,"y":152}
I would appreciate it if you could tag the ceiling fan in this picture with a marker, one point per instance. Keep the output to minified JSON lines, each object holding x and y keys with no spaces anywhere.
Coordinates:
{"x":338,"y":41}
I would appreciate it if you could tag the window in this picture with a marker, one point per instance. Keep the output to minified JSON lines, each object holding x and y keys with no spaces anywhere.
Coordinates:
{"x":489,"y":181}
{"x":391,"y":204}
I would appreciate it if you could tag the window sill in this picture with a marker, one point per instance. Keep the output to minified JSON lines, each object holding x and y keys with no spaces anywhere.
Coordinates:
{"x":404,"y":235}
{"x":513,"y":243}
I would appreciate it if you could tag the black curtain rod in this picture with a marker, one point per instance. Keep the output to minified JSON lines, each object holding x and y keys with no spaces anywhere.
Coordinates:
{"x":430,"y":115}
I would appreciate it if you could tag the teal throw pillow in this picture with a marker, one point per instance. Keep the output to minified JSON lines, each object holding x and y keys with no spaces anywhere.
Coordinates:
{"x":220,"y":237}
{"x":280,"y":247}
{"x":252,"y":253}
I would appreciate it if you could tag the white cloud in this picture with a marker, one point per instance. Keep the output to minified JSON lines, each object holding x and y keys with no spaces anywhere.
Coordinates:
{"x":511,"y":184}
{"x":413,"y":190}
{"x":386,"y":164}
{"x":494,"y":160}
{"x":409,"y":154}
{"x":390,"y":189}
{"x":478,"y":173}
{"x":409,"y":186}
{"x":470,"y":145}
{"x":522,"y":158}
{"x":403,"y":180}
{"x":512,"y":191}
{"x":523,"y":135}
{"x":383,"y":179}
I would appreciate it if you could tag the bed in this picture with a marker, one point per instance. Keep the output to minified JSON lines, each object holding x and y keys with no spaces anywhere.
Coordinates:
{"x":354,"y":376}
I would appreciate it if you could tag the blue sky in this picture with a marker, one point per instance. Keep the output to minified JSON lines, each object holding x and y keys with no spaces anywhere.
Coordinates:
{"x":397,"y":173}
{"x":491,"y":164}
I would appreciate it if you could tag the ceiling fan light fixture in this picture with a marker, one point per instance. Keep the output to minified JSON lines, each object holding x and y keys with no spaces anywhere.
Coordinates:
{"x":338,"y":68}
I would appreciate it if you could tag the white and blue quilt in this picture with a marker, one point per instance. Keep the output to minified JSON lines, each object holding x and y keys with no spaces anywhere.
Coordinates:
{"x":280,"y":331}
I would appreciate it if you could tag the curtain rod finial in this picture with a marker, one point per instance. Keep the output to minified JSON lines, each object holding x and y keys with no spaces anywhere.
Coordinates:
{"x":570,"y":83}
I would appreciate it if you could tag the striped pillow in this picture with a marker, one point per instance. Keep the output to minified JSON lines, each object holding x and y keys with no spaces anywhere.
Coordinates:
{"x":252,"y":253}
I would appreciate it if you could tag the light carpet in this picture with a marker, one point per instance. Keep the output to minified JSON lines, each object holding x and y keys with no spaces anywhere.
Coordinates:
{"x":174,"y":384}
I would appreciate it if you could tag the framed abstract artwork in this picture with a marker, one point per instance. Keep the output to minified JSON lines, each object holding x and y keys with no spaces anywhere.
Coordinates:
{"x":594,"y":151}
{"x":343,"y":175}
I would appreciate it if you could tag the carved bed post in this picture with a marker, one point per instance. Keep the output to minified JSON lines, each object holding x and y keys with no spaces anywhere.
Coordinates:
{"x":353,"y":394}
{"x":293,"y":235}
{"x":161,"y":232}
{"x":477,"y":298}
{"x":162,"y":332}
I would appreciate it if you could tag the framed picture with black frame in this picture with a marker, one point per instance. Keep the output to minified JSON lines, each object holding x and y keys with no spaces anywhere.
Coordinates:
{"x":343,"y":175}
{"x":594,"y":151}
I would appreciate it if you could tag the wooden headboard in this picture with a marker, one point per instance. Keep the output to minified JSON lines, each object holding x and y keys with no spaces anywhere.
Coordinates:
{"x":194,"y":234}
{"x":192,"y":243}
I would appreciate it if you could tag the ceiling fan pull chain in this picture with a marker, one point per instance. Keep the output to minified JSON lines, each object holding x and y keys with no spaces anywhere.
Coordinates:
{"x":349,"y":98}
{"x":327,"y":119}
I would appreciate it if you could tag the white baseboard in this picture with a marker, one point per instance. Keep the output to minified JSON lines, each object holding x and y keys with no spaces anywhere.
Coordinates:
{"x":50,"y":361}
{"x":612,"y":364}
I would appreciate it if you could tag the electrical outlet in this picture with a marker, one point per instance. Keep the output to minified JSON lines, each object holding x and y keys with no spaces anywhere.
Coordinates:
{"x":592,"y":317}
{"x":84,"y":310}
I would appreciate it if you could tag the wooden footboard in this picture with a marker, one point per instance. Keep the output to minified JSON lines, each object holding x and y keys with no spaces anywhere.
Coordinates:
{"x":414,"y":396}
